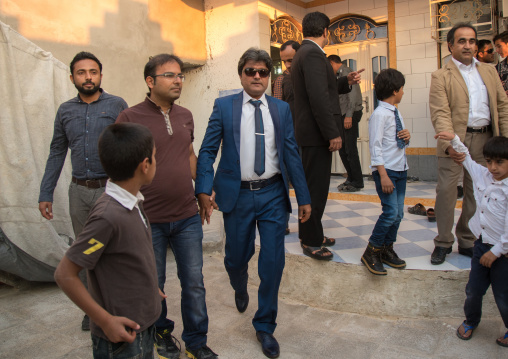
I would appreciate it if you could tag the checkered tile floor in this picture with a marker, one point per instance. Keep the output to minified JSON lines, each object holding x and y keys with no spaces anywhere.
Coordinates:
{"x":351,"y":224}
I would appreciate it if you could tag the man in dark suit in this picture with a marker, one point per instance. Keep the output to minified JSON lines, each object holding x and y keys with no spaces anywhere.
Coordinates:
{"x":318,"y":125}
{"x":257,"y":136}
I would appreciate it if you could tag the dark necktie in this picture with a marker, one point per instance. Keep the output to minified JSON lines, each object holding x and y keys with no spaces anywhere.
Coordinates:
{"x":259,"y":159}
{"x":398,"y":127}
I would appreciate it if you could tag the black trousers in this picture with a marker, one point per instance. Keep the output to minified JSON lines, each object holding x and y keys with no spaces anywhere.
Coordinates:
{"x":317,"y":165}
{"x":349,"y":152}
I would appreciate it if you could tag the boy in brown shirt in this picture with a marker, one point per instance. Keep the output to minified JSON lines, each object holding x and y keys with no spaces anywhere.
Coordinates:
{"x":115,"y":247}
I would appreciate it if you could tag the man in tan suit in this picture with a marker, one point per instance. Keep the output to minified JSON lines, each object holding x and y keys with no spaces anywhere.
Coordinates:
{"x":466,"y":98}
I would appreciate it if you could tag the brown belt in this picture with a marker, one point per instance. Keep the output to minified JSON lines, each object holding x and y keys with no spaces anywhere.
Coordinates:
{"x":91,"y":183}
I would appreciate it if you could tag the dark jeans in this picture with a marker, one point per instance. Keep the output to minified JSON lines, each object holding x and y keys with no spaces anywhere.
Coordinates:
{"x":480,"y":279}
{"x":349,"y":152}
{"x":141,"y":348}
{"x":387,"y":225}
{"x":185,"y":238}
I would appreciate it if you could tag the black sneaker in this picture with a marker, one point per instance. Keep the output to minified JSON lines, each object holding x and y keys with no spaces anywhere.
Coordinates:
{"x":167,"y":347}
{"x":389,"y":257}
{"x":85,"y":323}
{"x":202,"y":353}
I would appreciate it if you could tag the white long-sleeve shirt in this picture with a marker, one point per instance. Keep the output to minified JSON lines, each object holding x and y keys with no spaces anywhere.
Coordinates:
{"x":383,"y":139}
{"x":491,"y":217}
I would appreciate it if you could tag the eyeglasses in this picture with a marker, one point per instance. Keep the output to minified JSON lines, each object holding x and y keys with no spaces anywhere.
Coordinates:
{"x":489,"y":51}
{"x":172,"y":76}
{"x":249,"y":71}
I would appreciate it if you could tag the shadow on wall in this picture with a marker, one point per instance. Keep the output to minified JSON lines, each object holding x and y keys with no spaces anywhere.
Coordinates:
{"x":123,"y":46}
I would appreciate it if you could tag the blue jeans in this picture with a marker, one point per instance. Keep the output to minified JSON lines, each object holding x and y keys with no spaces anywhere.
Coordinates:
{"x":387,"y":225}
{"x":480,"y":279}
{"x":185,"y":238}
{"x":141,"y":348}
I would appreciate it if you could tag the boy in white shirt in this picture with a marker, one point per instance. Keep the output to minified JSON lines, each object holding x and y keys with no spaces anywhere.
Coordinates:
{"x":489,"y":224}
{"x":388,"y":139}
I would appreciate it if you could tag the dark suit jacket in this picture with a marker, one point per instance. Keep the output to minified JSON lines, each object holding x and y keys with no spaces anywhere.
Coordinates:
{"x":316,"y":88}
{"x":224,"y":127}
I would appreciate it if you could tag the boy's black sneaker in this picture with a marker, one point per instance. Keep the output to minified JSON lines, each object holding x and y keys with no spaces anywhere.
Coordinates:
{"x":388,"y":256}
{"x":166,"y":344}
{"x":202,"y":353}
{"x":372,"y":260}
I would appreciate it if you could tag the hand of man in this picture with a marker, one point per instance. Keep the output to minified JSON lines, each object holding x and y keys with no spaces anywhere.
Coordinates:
{"x":120,"y":329}
{"x":458,"y":157}
{"x":354,"y":77}
{"x":487,"y":259}
{"x":387,"y":184}
{"x":335,"y":144}
{"x":404,"y":134}
{"x":162,"y":295}
{"x":304,"y":212}
{"x":46,"y":209}
{"x":206,"y":205}
{"x":348,"y":122}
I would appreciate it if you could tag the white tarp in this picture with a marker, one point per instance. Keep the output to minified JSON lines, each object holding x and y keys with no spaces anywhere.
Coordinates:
{"x":33,"y":85}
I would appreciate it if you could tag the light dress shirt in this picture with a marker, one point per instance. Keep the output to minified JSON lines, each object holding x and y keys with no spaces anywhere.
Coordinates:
{"x":125,"y":198}
{"x":479,"y":110}
{"x":491,"y":217}
{"x":382,"y":139}
{"x":248,"y":141}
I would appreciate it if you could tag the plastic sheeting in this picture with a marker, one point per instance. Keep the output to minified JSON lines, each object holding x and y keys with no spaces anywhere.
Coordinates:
{"x":33,"y":85}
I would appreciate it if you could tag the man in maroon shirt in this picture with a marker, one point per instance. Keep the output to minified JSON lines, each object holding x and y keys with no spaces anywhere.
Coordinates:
{"x":170,"y":203}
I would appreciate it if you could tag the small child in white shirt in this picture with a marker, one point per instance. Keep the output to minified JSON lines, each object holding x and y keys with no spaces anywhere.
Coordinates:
{"x":387,"y":141}
{"x":489,"y":224}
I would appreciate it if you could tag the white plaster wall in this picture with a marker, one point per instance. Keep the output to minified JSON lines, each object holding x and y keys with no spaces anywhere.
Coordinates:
{"x":231,"y":28}
{"x":416,"y":59}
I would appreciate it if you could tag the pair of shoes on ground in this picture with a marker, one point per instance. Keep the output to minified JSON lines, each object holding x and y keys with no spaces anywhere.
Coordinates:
{"x":374,"y":257}
{"x":465,"y":329}
{"x":438,"y":256}
{"x":419,"y":209}
{"x":319,"y":253}
{"x":168,"y":347}
{"x":269,"y":344}
{"x":348,"y":187}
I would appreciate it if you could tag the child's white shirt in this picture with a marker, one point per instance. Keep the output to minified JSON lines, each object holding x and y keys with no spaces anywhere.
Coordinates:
{"x":491,"y":217}
{"x":383,"y":141}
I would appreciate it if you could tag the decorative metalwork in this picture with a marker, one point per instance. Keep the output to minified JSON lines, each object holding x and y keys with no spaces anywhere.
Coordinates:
{"x":352,"y":29}
{"x":283,"y":30}
{"x":444,"y":14}
{"x":347,"y":31}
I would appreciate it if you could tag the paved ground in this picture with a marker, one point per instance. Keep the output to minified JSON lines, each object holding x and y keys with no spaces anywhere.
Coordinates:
{"x":38,"y":321}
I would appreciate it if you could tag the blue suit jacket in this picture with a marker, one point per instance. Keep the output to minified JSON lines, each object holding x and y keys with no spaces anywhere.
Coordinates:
{"x":224,"y":126}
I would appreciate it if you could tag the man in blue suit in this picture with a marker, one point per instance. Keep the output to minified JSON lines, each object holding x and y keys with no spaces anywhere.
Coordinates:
{"x":256,"y":132}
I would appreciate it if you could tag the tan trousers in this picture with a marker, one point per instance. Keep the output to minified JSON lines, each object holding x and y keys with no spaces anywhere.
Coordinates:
{"x":446,"y":195}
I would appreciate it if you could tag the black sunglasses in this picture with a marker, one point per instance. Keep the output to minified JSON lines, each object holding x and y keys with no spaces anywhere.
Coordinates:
{"x":489,"y":51}
{"x":249,"y":71}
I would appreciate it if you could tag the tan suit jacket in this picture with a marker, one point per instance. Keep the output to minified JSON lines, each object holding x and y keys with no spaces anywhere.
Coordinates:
{"x":449,"y":102}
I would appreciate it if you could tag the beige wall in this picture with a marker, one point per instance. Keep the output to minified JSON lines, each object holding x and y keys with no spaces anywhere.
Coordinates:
{"x":121,"y":33}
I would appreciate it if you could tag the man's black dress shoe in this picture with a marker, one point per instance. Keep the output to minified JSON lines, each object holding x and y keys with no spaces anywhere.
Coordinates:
{"x":241,"y":301}
{"x":439,"y":255}
{"x":269,"y":344}
{"x":466,"y":251}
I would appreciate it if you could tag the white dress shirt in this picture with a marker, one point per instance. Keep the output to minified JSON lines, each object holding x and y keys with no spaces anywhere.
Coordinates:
{"x":248,"y":141}
{"x":383,"y":141}
{"x":479,"y":110}
{"x":491,"y":217}
{"x":125,"y":198}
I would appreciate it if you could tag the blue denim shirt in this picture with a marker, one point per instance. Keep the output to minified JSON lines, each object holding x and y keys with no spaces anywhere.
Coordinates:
{"x":78,"y":126}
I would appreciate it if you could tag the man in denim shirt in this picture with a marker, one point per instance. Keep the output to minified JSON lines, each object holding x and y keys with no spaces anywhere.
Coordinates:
{"x":78,"y":125}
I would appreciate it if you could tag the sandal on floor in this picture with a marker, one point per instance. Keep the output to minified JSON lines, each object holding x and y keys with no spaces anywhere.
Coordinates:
{"x":431,"y":215}
{"x":319,"y":253}
{"x":418,"y":209}
{"x":329,"y":242}
{"x":499,"y":342}
{"x":466,"y":329}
